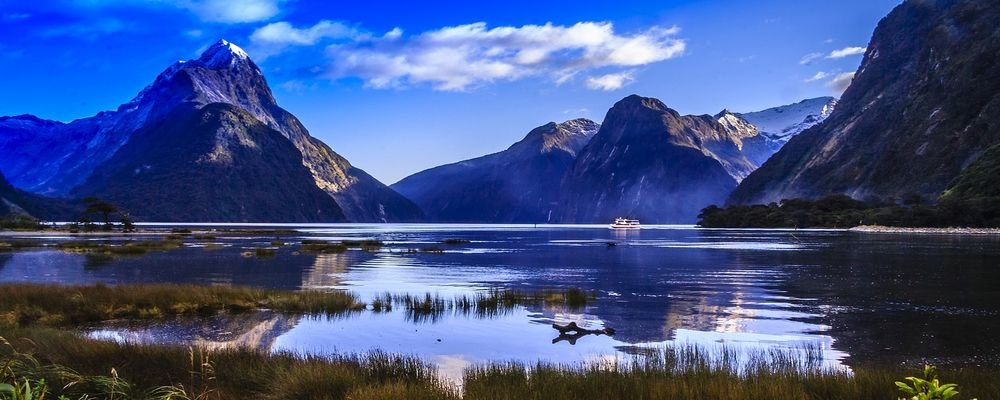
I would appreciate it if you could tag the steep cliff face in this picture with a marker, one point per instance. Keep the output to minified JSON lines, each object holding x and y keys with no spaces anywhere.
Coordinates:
{"x":213,"y":163}
{"x":67,"y":154}
{"x":924,"y":105}
{"x":649,"y":162}
{"x":519,"y":184}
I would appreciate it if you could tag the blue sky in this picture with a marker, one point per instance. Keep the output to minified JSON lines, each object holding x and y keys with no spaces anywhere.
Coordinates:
{"x":398,"y":88}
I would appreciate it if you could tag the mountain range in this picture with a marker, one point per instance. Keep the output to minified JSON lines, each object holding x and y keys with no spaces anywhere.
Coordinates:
{"x":206,"y":141}
{"x":644,"y":160}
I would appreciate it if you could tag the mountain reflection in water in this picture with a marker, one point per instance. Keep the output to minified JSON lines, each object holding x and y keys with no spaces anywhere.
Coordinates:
{"x":856,"y":297}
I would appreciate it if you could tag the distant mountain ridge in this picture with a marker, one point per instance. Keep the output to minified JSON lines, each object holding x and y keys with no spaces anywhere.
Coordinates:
{"x":530,"y":182}
{"x":923,"y":106}
{"x":519,"y":184}
{"x":61,"y":159}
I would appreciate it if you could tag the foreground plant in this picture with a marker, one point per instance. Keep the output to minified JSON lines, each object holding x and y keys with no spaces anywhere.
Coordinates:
{"x":927,"y":388}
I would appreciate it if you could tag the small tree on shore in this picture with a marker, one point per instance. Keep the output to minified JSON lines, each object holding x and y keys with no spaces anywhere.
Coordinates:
{"x":106,"y":213}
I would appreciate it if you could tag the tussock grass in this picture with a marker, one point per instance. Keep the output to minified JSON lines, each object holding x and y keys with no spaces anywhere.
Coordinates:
{"x":159,"y":372}
{"x":264,"y":252}
{"x":136,"y":247}
{"x":696,"y":373}
{"x":366,"y":244}
{"x":155,"y":371}
{"x":485,"y":304}
{"x":19,"y":244}
{"x":28,"y":304}
{"x":322,"y":247}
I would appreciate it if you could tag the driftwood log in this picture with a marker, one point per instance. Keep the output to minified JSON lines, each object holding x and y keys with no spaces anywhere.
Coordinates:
{"x":571,"y":332}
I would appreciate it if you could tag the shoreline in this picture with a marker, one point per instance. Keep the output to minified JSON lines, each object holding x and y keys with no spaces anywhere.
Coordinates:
{"x":925,"y":231}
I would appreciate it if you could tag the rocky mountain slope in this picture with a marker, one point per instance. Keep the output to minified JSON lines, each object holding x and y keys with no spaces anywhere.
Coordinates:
{"x":18,"y":202}
{"x":649,"y":162}
{"x":519,"y":184}
{"x":66,"y":155}
{"x":923,"y":106}
{"x":218,"y":163}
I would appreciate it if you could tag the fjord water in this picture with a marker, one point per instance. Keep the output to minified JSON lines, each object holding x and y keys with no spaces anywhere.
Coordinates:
{"x":857,"y":297}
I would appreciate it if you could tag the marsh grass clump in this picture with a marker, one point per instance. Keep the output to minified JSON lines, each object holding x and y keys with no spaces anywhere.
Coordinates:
{"x":262,"y":232}
{"x":265,"y":252}
{"x":691,"y":372}
{"x":366,"y":244}
{"x":137,"y":247}
{"x":422,"y":308}
{"x":28,"y":304}
{"x":181,"y":231}
{"x":485,"y":304}
{"x":322,"y":247}
{"x":68,"y":365}
{"x":18,"y":244}
{"x":455,"y":241}
{"x":277,"y":243}
{"x":382,"y":303}
{"x":203,"y":237}
{"x":497,"y":300}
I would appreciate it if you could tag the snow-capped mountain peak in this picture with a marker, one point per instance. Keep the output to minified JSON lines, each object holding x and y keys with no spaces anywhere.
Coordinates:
{"x":222,"y":54}
{"x":783,"y":122}
{"x":738,"y":127}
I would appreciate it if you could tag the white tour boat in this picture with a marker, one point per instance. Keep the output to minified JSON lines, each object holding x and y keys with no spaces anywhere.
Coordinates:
{"x":625,"y":223}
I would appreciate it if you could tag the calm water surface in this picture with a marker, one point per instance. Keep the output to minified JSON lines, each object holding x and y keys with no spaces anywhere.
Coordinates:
{"x":857,"y":297}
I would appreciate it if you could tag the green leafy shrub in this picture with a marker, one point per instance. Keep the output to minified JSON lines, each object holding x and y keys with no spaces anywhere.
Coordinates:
{"x":927,"y":388}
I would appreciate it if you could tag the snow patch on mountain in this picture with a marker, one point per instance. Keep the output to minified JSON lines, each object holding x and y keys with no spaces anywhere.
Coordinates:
{"x":783,"y":122}
{"x":222,"y":54}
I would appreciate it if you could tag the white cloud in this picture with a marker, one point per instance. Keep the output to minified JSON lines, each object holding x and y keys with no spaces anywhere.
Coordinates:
{"x":194,"y":33}
{"x":613,"y":81}
{"x":840,"y":82}
{"x":459,"y":57}
{"x":846,"y":52}
{"x":283,"y":33}
{"x":809,"y":58}
{"x":818,"y":76}
{"x":232,"y":11}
